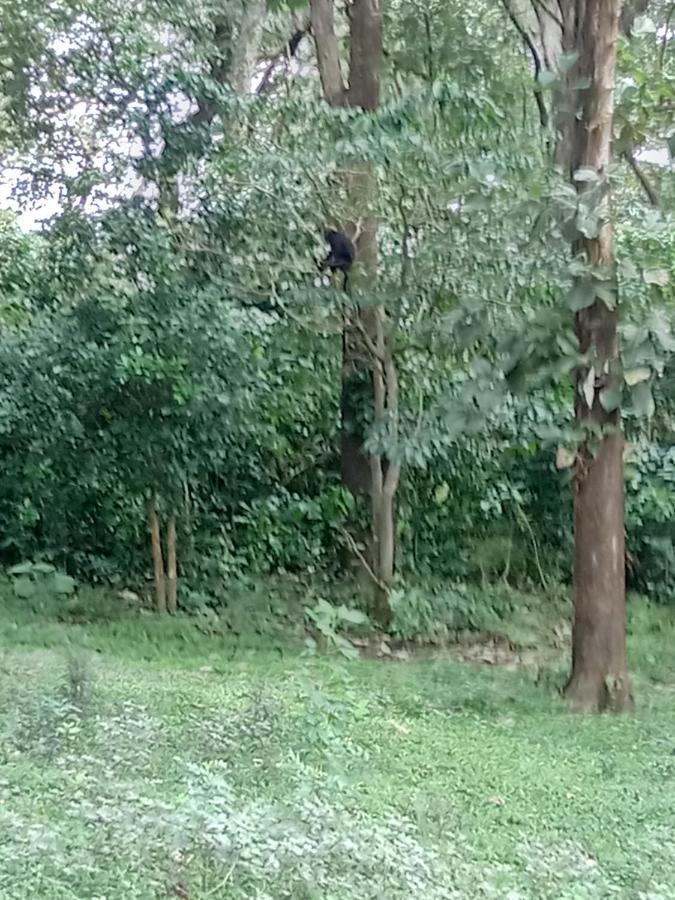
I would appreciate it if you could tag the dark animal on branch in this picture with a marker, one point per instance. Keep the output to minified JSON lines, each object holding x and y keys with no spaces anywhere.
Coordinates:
{"x":341,"y":256}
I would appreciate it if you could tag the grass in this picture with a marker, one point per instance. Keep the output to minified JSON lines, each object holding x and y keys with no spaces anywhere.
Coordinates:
{"x":142,"y":759}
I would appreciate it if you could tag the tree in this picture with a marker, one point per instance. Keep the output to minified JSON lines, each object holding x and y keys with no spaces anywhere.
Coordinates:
{"x":575,"y":43}
{"x":599,"y":678}
{"x":366,"y":335}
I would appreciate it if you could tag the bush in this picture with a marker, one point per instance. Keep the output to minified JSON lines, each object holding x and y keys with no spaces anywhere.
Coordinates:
{"x":650,"y":521}
{"x":434,"y":613}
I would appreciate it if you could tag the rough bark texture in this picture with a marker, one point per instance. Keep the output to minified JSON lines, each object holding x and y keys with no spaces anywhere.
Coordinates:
{"x":365,"y":59}
{"x":327,"y":51}
{"x":599,"y":677}
{"x":171,"y":570}
{"x":385,"y":474}
{"x":157,"y":559}
{"x":583,"y":128}
{"x":246,"y":44}
{"x":548,"y":29}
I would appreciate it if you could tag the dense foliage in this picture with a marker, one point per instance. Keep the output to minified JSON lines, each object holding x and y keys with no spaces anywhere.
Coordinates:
{"x":178,"y":343}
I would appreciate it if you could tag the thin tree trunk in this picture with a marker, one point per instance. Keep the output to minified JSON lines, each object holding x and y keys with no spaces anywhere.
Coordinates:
{"x":157,"y":560}
{"x":171,"y":573}
{"x":365,"y":345}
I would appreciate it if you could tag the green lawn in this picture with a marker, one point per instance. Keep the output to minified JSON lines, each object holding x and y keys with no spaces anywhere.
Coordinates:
{"x":170,"y":764}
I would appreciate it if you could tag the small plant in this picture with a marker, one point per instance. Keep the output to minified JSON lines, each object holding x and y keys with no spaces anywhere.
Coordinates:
{"x":329,"y":620}
{"x":78,"y":681}
{"x":32,"y":579}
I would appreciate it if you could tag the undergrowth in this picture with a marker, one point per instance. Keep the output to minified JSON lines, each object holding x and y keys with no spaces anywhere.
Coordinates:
{"x":177,"y":763}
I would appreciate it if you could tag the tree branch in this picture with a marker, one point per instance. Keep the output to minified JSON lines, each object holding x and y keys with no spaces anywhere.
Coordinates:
{"x":666,"y":32}
{"x":356,"y":550}
{"x":645,"y":183}
{"x":534,"y":53}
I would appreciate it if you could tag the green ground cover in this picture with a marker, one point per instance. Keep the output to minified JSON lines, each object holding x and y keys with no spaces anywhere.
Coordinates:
{"x":174,"y":764}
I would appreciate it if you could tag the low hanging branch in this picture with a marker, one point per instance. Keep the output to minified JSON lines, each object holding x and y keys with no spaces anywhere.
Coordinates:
{"x":356,"y":550}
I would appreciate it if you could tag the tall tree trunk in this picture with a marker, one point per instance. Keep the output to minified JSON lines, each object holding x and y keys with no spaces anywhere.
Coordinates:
{"x":599,"y":677}
{"x":582,"y":122}
{"x":365,"y":336}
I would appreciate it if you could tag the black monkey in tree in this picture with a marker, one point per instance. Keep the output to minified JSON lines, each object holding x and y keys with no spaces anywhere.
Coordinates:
{"x":342,"y":253}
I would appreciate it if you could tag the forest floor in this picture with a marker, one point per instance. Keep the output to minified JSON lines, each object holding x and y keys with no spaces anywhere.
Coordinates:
{"x":174,"y":764}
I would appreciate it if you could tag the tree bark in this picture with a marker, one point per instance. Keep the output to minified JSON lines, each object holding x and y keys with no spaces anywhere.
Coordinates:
{"x":157,"y":559}
{"x":246,"y":44}
{"x":171,"y":571}
{"x":322,"y":17}
{"x":583,"y":113}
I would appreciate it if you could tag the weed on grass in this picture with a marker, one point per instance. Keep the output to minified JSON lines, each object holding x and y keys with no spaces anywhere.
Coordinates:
{"x":146,"y":773}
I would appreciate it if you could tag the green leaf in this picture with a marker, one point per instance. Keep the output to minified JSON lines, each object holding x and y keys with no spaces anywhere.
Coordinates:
{"x":586,"y":174}
{"x":24,"y":588}
{"x":475,"y":202}
{"x":643,"y":401}
{"x":610,"y":398}
{"x":582,"y":295}
{"x":567,"y":60}
{"x":347,"y":649}
{"x":588,"y":223}
{"x":352,"y":616}
{"x":546,"y":78}
{"x":643,"y":26}
{"x":635,"y":376}
{"x":44,"y":568}
{"x":441,"y":493}
{"x":24,"y":568}
{"x":607,"y":294}
{"x":63,"y":584}
{"x":660,"y":277}
{"x":588,"y":387}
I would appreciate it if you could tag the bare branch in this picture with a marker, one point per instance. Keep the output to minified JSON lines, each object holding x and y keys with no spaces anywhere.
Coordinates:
{"x":666,"y":34}
{"x":645,"y":183}
{"x":356,"y":550}
{"x":536,"y":59}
